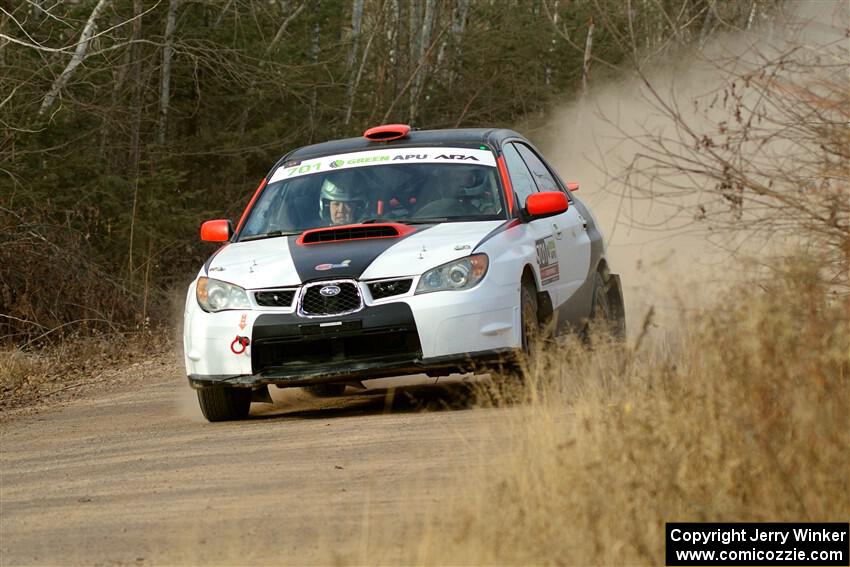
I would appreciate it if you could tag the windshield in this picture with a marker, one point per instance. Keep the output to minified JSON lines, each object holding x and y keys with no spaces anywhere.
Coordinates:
{"x":409,"y":185}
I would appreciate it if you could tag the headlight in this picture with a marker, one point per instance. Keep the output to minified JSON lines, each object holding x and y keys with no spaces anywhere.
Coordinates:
{"x":464,"y":273}
{"x":214,"y":295}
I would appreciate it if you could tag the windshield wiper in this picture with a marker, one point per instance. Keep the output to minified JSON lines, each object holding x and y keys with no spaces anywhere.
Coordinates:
{"x":271,"y":234}
{"x":428,"y":220}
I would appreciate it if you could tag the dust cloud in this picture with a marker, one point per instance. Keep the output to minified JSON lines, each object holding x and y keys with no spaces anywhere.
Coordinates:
{"x":667,"y":258}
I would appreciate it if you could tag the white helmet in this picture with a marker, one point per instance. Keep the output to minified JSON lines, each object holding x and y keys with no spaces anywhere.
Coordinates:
{"x":332,"y":190}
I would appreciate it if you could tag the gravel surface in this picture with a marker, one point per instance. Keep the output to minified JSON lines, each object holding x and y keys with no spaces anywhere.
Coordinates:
{"x":129,"y":473}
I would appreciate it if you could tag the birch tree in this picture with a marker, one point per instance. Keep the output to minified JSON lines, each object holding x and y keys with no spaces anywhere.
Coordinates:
{"x":76,"y":59}
{"x":422,"y":46}
{"x":460,"y":11}
{"x":588,"y":50}
{"x":356,"y":20}
{"x":167,"y":53}
{"x":353,"y":78}
{"x":315,"y":50}
{"x":283,"y":25}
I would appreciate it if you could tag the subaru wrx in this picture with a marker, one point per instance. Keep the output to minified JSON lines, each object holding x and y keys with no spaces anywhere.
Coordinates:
{"x":398,"y":253}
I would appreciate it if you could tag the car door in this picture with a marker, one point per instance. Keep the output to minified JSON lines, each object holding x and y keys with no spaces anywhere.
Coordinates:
{"x":569,"y":229}
{"x":538,"y":233}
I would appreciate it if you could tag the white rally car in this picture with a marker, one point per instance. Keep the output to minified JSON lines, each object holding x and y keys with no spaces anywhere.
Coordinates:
{"x":401,"y":252}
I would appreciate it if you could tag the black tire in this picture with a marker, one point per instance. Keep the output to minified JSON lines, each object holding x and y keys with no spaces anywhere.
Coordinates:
{"x":510,"y":381}
{"x":326,"y":390}
{"x":607,"y":314}
{"x":224,"y":403}
{"x":601,"y":310}
{"x":528,"y":316}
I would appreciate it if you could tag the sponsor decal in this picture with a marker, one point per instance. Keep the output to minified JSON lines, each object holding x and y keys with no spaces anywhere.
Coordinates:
{"x":300,"y":170}
{"x":371,"y":159}
{"x":408,"y":157}
{"x":547,"y":260}
{"x":297,"y":168}
{"x":460,"y":157}
{"x":325,"y":267}
{"x":329,"y":290}
{"x":243,"y":321}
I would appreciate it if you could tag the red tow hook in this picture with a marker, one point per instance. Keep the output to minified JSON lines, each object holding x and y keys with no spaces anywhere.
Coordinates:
{"x":239,"y":344}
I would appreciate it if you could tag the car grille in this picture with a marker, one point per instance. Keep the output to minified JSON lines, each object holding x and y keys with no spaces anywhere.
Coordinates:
{"x":355,"y":345}
{"x":275,"y":297}
{"x":389,"y":288}
{"x":316,"y":303}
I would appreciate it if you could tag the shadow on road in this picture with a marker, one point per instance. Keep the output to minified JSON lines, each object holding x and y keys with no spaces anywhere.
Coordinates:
{"x":410,"y":399}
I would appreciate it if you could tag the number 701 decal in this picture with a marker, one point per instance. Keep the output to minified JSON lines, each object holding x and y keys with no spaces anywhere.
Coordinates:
{"x":547,"y":259}
{"x":303,"y":169}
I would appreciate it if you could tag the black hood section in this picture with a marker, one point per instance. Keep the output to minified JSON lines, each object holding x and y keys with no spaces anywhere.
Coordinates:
{"x":346,"y":259}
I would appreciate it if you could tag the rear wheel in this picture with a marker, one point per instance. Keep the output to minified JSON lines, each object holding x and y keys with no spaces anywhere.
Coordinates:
{"x":224,"y":403}
{"x":607,"y":311}
{"x":601,"y":305}
{"x":326,"y":390}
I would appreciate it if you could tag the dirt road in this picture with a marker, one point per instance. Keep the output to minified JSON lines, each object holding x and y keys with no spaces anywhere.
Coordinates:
{"x":135,"y":476}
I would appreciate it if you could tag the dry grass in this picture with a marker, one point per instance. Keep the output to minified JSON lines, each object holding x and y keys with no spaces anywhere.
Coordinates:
{"x":71,"y":367}
{"x":741,"y":414}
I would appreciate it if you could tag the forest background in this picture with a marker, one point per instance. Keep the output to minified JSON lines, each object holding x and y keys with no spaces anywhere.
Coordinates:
{"x":126,"y":123}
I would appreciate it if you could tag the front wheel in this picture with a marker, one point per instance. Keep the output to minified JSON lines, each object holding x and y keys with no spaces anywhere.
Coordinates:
{"x":509,"y":382}
{"x":224,"y":403}
{"x":528,"y":311}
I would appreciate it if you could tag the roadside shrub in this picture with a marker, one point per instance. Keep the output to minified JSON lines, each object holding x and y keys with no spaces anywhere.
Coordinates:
{"x":740,"y":414}
{"x":52,"y":286}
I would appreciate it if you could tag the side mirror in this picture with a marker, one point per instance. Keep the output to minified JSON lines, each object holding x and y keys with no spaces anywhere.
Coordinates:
{"x":542,"y":205}
{"x":572,"y":185}
{"x":216,"y":230}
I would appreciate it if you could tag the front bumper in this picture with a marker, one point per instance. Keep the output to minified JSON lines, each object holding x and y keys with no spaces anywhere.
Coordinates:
{"x":353,"y":373}
{"x":439,"y":333}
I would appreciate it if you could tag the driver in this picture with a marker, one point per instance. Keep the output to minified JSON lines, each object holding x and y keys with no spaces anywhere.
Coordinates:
{"x":341,"y":203}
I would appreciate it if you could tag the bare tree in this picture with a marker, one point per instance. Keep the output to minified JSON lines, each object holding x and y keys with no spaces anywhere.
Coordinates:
{"x":707,"y":23}
{"x":459,"y":15}
{"x":356,"y":21}
{"x":167,"y":53}
{"x":136,"y":129}
{"x":76,"y":59}
{"x":354,"y":80}
{"x":588,"y":49}
{"x":421,"y":44}
{"x":283,"y":25}
{"x":315,"y":50}
{"x":766,"y":155}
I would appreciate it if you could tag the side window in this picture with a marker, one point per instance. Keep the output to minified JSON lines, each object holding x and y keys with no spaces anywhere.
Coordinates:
{"x":521,"y":179}
{"x":542,"y":176}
